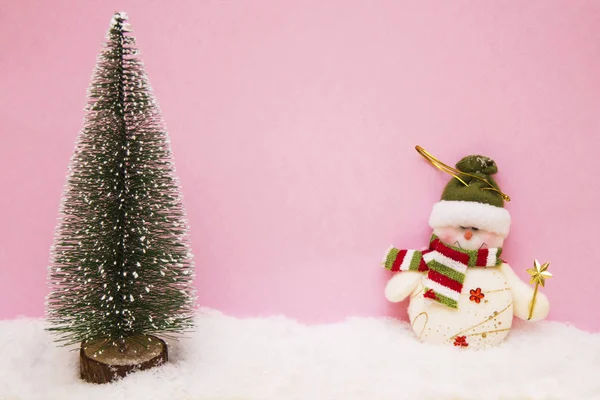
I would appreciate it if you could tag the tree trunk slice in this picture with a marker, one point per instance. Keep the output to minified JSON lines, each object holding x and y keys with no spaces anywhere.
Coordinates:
{"x":102,"y":361}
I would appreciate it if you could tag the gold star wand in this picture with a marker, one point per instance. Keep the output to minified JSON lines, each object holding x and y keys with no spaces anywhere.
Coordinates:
{"x":538,"y":273}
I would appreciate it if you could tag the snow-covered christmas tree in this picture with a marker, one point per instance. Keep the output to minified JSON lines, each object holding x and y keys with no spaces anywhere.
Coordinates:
{"x":121,"y":267}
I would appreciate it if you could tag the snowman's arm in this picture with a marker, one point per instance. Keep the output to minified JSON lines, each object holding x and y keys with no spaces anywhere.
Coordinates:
{"x":401,"y":285}
{"x":522,"y":295}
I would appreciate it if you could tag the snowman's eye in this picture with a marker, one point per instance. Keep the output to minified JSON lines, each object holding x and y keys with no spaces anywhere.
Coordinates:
{"x":463,"y":227}
{"x":475,"y":229}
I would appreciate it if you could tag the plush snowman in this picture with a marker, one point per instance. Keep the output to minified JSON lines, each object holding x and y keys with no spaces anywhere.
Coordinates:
{"x":461,"y":291}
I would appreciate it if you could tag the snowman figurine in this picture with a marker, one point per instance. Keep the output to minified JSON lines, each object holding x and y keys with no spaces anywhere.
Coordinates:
{"x":461,"y":291}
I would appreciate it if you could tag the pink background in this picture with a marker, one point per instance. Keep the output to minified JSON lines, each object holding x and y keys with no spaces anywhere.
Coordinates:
{"x":293,"y":126}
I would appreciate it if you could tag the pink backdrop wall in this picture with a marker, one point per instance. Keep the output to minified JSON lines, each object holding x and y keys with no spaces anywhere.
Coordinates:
{"x":293,"y":125}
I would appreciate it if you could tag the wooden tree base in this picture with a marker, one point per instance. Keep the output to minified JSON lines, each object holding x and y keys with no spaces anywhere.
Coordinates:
{"x":102,"y":361}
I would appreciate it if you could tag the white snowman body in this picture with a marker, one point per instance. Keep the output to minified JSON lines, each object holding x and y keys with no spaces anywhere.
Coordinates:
{"x":483,"y":324}
{"x":489,"y":299}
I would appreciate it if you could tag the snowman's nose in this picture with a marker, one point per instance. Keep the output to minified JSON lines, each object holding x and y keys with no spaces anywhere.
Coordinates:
{"x":468,"y":235}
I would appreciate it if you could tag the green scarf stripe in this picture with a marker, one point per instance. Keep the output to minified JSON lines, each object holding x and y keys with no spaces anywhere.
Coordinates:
{"x":416,"y":261}
{"x":449,"y":272}
{"x":473,"y":254}
{"x":445,"y":300}
{"x":498,"y":254}
{"x":391,"y":257}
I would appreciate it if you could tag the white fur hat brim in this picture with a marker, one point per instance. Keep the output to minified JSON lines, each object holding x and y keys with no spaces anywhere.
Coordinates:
{"x":470,"y":214}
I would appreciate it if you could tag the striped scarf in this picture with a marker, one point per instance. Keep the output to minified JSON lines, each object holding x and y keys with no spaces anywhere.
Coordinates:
{"x":446,"y":267}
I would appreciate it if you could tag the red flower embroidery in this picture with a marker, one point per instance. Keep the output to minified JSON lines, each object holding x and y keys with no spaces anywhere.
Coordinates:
{"x":461,"y":341}
{"x":430,"y":294}
{"x":476,"y":295}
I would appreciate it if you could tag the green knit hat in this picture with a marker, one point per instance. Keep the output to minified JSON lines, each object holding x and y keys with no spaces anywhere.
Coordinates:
{"x":475,"y":204}
{"x":477,"y":190}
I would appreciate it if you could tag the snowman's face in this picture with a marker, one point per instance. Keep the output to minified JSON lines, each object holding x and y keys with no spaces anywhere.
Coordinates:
{"x":468,"y":238}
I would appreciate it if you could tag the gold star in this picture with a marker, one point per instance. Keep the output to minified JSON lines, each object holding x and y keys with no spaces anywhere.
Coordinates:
{"x":539,"y":273}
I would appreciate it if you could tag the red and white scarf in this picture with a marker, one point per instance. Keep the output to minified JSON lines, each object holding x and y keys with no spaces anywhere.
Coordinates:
{"x":445,"y":265}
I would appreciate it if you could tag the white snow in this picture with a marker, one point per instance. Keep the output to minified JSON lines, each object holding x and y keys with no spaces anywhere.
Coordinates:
{"x":276,"y":358}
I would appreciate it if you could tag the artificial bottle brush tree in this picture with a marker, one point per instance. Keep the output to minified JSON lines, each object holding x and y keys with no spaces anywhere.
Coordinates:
{"x":121,"y":268}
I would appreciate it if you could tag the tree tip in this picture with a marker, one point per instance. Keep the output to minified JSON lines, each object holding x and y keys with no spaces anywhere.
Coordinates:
{"x":119,"y":21}
{"x":119,"y":17}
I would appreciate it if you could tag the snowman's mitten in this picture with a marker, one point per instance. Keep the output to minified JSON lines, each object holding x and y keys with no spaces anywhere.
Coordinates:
{"x":522,"y":295}
{"x":401,"y":285}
